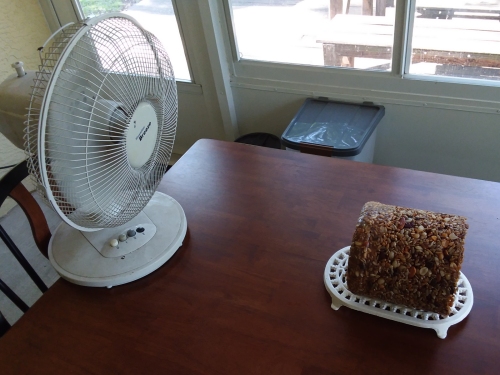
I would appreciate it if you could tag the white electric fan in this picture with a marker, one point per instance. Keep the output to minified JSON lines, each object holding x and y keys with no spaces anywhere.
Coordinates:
{"x":100,"y":131}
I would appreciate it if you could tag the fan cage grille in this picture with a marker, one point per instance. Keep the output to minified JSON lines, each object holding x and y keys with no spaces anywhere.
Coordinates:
{"x":91,"y":80}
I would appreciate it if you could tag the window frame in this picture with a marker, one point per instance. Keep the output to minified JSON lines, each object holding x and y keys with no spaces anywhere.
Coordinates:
{"x":60,"y":12}
{"x":397,"y":86}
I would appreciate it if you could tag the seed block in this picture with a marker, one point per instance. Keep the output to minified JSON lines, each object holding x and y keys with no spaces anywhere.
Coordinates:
{"x":407,"y":256}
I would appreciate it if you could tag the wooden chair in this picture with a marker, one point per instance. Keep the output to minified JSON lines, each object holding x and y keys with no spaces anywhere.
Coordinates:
{"x":10,"y":185}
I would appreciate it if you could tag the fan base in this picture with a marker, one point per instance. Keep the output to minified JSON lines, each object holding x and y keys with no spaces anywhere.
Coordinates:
{"x":89,"y":259}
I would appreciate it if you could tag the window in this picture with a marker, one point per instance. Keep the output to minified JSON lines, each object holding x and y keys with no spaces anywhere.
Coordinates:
{"x":457,"y":38}
{"x":315,"y":32}
{"x":447,"y":38}
{"x":158,"y":17}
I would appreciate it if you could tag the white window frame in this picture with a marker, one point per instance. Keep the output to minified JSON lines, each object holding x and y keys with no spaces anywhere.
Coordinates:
{"x":396,"y":86}
{"x":61,"y":12}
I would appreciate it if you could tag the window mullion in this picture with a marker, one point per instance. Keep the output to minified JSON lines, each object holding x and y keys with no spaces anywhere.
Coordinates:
{"x":228,"y":12}
{"x":61,"y":12}
{"x":181,"y":25}
{"x":403,"y":29}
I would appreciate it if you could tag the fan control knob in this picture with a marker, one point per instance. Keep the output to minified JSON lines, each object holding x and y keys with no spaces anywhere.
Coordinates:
{"x":140,"y":229}
{"x":122,"y":237}
{"x":131,"y":233}
{"x":113,"y":242}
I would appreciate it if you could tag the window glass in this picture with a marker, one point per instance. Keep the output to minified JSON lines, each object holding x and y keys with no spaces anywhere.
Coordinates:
{"x":349,"y":33}
{"x":156,"y":16}
{"x":456,"y":38}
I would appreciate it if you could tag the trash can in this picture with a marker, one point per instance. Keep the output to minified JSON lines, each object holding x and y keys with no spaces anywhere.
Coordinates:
{"x":260,"y":139}
{"x":333,"y":128}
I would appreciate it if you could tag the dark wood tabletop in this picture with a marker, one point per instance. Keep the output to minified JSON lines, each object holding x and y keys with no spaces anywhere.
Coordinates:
{"x":245,"y":293}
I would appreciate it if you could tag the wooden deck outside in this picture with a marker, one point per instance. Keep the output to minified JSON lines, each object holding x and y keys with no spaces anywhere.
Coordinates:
{"x":451,"y":42}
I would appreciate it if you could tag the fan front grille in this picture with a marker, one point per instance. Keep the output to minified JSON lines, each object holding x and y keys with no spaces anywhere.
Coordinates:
{"x":91,"y":81}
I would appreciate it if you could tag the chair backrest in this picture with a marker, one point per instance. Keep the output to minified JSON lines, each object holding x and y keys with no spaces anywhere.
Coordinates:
{"x":11,"y":186}
{"x":4,"y":325}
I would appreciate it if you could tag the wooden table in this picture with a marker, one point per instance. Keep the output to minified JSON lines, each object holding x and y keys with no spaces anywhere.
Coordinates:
{"x":438,"y":41}
{"x":245,"y":293}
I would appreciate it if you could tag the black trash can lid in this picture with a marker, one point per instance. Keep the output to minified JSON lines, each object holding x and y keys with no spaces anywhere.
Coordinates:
{"x":345,"y":127}
{"x":260,"y":139}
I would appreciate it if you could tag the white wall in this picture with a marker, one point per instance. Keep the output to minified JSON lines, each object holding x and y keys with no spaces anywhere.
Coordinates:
{"x":22,"y":30}
{"x":448,"y":141}
{"x":455,"y":142}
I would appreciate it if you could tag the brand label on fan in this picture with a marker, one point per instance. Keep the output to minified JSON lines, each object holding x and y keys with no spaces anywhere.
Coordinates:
{"x":141,"y":144}
{"x":143,"y":131}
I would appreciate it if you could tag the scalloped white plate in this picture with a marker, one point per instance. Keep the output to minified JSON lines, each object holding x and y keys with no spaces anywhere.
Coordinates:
{"x":335,"y":282}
